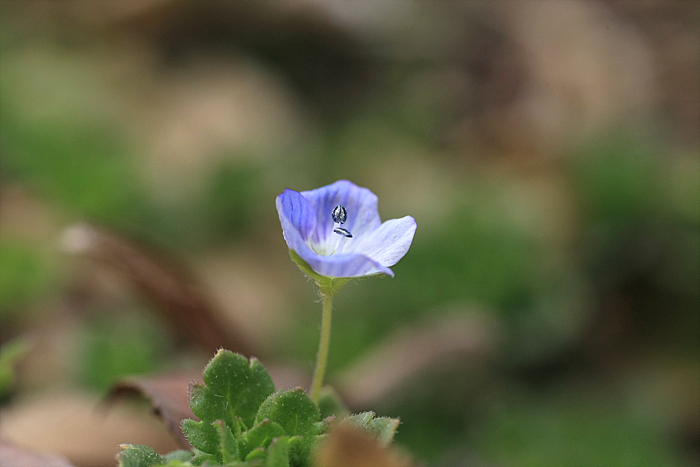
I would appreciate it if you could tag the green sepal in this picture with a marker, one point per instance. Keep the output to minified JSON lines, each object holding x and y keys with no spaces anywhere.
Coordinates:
{"x":228,"y":446}
{"x":278,"y":453}
{"x":330,"y":403}
{"x":261,"y":435}
{"x":136,"y":455}
{"x":235,"y":387}
{"x":327,"y":285}
{"x":203,"y":436}
{"x":380,"y":428}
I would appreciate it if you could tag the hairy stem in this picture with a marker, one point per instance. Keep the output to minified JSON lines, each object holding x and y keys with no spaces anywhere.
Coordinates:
{"x":323,"y":347}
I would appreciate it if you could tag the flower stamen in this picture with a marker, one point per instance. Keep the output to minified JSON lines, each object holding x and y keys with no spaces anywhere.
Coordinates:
{"x":341,"y":231}
{"x":340,"y":215}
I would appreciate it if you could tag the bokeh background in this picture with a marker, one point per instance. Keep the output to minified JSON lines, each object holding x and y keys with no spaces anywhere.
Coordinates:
{"x":548,"y":310}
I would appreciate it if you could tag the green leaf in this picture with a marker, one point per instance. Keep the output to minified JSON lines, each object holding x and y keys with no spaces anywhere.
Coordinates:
{"x":257,"y":453}
{"x":278,"y":453}
{"x":261,"y":435}
{"x":293,"y":410}
{"x":181,"y":455}
{"x":202,"y":458}
{"x":176,"y":463}
{"x":380,"y":428}
{"x":228,"y":446}
{"x":300,"y":450}
{"x":383,"y":429}
{"x":296,"y":413}
{"x":359,"y":420}
{"x":330,"y":403}
{"x":136,"y":455}
{"x":203,"y":436}
{"x":326,"y":425}
{"x":235,"y":387}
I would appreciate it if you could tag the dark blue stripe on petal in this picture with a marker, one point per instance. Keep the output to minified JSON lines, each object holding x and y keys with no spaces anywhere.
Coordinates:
{"x":298,"y":211}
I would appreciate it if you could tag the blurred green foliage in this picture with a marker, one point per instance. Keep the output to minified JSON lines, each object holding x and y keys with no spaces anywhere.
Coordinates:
{"x":118,"y":345}
{"x":82,"y":168}
{"x":627,"y":265}
{"x":10,"y":354}
{"x":569,"y":429}
{"x":25,"y":274}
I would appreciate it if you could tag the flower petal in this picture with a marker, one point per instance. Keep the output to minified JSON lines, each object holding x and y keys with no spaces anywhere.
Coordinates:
{"x":344,"y":265}
{"x":307,"y":224}
{"x":360,"y":203}
{"x":295,"y":214}
{"x":389,"y":243}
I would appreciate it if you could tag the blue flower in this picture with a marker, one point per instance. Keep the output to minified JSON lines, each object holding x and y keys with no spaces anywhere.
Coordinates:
{"x":311,"y":233}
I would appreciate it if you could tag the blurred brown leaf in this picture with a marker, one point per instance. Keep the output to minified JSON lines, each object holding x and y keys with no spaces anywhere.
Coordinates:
{"x":13,"y":456}
{"x":168,"y":397}
{"x":169,"y":287}
{"x":415,"y":349}
{"x":347,"y":447}
{"x":67,"y":423}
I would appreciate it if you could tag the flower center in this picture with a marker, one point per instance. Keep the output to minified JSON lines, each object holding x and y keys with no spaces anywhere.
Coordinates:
{"x":333,"y":244}
{"x":340,"y":215}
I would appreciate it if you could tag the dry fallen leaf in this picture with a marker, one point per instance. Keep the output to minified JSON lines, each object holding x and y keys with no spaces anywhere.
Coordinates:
{"x":67,"y":423}
{"x":413,"y":350}
{"x":348,"y":447}
{"x":170,"y":287}
{"x":168,"y":397}
{"x":13,"y":456}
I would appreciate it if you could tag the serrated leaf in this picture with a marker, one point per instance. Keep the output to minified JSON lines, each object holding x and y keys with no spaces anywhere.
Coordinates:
{"x":228,"y":445}
{"x":330,"y":403}
{"x":203,"y":436}
{"x":296,"y":413}
{"x":261,"y":435}
{"x":380,"y":428}
{"x":383,"y":429}
{"x":136,"y":455}
{"x":278,"y":453}
{"x":359,"y":420}
{"x":293,"y":410}
{"x":235,"y":387}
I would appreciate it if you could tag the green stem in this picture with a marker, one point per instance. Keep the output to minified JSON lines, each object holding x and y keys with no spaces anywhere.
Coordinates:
{"x":323,"y":347}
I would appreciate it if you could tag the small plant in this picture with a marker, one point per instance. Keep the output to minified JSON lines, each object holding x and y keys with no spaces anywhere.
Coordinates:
{"x":334,"y":235}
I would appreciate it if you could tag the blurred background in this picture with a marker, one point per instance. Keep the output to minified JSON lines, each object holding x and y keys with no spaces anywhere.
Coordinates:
{"x":548,"y":310}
